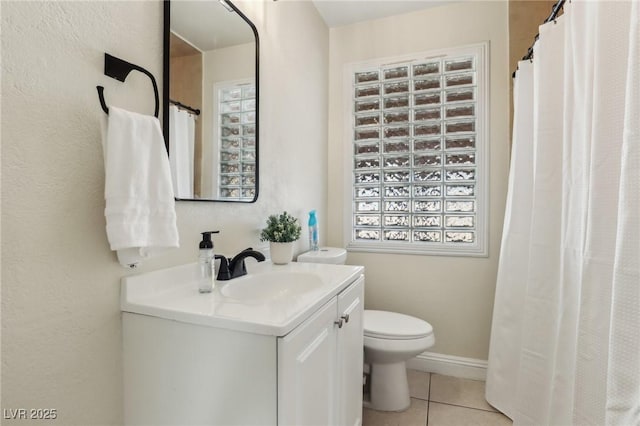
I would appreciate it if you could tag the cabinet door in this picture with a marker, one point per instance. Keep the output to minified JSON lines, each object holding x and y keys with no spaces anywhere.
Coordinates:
{"x":350,"y":354}
{"x":307,"y":371}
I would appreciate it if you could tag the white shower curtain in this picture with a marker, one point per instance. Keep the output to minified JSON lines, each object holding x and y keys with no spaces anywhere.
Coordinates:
{"x":565,"y":341}
{"x":181,"y":151}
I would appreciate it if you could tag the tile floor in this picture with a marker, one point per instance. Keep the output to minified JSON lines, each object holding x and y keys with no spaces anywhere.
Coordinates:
{"x":438,"y":400}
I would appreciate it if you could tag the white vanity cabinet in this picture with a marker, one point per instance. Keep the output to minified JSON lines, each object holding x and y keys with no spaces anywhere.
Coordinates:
{"x":320,"y":365}
{"x":186,"y":362}
{"x":351,"y":354}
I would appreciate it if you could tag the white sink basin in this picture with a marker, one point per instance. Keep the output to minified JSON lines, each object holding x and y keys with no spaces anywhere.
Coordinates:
{"x":270,"y":300}
{"x":271,"y":285}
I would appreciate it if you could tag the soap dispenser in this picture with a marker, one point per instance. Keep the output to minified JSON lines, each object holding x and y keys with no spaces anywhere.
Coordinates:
{"x":206,"y":262}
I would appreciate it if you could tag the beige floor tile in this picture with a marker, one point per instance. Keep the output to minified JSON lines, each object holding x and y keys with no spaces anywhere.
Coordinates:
{"x":451,"y":415}
{"x":463,"y":392}
{"x":415,"y":415}
{"x":418,"y":384}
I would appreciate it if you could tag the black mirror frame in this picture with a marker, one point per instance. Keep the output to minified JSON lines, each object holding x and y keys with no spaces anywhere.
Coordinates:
{"x":165,"y":94}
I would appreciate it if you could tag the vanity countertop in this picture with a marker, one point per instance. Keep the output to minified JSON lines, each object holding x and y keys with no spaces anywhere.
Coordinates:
{"x":172,"y":294}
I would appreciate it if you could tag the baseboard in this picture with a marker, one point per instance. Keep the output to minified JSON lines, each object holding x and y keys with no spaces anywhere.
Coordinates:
{"x":450,"y":365}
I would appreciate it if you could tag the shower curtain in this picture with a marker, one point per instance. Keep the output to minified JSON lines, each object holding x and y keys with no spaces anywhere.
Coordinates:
{"x":565,"y":340}
{"x":181,"y":151}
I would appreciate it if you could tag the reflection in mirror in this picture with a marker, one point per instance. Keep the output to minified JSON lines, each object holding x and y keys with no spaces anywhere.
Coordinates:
{"x":211,"y":111}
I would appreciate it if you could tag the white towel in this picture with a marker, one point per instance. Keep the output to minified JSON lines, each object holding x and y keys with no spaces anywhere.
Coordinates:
{"x":140,"y":205}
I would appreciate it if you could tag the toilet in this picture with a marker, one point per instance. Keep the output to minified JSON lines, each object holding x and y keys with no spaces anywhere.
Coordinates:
{"x":390,"y":339}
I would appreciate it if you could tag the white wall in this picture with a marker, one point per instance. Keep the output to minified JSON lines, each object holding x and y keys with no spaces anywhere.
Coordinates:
{"x":61,"y":327}
{"x":455,"y":294}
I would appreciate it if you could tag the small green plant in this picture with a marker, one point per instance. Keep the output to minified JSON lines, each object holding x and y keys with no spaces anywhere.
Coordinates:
{"x":282,"y":228}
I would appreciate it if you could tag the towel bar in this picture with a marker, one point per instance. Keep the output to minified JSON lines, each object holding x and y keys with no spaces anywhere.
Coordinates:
{"x":120,"y":69}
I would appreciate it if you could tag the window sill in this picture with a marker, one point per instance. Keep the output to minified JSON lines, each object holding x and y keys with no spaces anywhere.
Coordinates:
{"x":421,"y":249}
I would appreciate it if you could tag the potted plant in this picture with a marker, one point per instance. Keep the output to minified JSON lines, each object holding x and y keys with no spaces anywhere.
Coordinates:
{"x":281,"y":232}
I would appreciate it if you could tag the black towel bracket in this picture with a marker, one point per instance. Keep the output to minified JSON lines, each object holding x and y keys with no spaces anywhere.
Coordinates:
{"x":119,"y":69}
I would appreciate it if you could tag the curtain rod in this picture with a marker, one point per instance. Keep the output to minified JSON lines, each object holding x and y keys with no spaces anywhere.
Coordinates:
{"x":183,"y":106}
{"x":552,"y":16}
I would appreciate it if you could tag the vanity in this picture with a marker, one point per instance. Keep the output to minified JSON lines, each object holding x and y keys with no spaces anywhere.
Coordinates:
{"x":282,"y":345}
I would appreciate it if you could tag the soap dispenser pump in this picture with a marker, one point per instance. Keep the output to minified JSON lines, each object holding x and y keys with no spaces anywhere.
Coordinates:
{"x":206,"y":262}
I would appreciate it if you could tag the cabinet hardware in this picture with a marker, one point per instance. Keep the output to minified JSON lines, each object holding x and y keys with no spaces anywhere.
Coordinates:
{"x":345,"y":317}
{"x":338,"y":322}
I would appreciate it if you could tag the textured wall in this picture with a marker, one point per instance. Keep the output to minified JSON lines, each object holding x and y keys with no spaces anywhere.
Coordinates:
{"x":455,"y":294}
{"x":61,"y":327}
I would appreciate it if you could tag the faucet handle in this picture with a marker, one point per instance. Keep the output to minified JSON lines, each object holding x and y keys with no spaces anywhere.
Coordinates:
{"x":223,"y":271}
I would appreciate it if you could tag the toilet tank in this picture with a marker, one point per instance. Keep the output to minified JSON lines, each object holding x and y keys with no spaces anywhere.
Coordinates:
{"x":332,"y":255}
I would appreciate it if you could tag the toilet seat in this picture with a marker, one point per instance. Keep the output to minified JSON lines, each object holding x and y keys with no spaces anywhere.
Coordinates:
{"x":395,"y":326}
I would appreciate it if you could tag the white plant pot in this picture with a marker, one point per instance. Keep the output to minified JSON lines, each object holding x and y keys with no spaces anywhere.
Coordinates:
{"x":281,"y":253}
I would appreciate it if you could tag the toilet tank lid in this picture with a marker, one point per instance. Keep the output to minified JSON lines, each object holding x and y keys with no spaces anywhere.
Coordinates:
{"x":333,"y":255}
{"x":392,"y":325}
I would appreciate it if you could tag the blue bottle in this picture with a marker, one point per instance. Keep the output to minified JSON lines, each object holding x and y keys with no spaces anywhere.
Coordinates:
{"x":313,"y":231}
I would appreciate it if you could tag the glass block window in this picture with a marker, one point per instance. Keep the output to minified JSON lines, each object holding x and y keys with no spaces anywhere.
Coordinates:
{"x":417,"y":136}
{"x":237,"y":142}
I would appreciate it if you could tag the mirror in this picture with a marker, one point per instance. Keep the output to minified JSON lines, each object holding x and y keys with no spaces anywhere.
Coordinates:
{"x":211,"y":101}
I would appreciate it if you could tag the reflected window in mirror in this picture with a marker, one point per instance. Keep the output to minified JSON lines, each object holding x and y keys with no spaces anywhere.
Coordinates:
{"x":211,"y":101}
{"x":235,"y":102}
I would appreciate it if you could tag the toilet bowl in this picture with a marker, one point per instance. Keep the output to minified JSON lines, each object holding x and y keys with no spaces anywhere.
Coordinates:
{"x":390,"y":339}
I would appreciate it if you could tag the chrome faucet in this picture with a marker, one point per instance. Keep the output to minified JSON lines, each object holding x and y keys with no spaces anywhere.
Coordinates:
{"x":231,"y":268}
